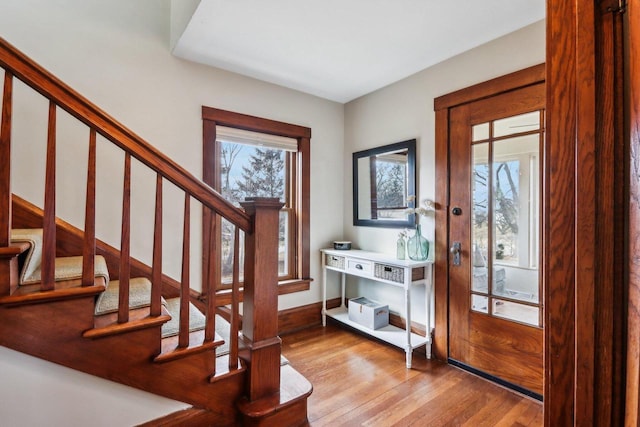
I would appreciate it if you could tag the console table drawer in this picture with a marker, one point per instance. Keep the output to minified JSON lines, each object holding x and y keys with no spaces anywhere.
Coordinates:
{"x":360,"y":267}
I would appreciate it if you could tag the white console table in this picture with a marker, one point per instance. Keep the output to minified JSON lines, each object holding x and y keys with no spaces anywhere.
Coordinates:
{"x":384,"y":269}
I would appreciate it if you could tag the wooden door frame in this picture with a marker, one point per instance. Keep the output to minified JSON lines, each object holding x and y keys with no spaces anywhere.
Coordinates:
{"x":585,"y":297}
{"x":632,"y":407}
{"x":591,"y":275}
{"x":442,"y":106}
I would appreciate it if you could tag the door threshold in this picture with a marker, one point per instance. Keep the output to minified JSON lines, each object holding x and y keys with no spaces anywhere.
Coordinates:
{"x":496,"y":380}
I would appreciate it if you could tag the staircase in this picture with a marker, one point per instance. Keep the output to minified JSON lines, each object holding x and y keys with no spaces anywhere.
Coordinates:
{"x":72,"y":299}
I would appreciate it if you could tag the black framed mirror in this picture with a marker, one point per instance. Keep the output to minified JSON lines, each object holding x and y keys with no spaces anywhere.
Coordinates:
{"x":384,"y":178}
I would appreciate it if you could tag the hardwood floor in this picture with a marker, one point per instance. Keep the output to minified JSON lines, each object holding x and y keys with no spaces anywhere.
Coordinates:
{"x":359,"y":381}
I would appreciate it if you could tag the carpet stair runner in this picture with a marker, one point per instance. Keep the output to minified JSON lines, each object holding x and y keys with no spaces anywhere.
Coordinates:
{"x":69,"y":269}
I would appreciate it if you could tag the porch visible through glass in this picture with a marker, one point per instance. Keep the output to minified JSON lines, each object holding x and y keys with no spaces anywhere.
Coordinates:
{"x":505,"y":242}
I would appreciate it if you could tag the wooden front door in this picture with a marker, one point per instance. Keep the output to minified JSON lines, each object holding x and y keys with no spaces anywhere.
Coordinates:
{"x":495,"y":204}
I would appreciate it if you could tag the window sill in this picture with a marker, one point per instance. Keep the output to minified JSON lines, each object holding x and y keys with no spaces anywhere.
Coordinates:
{"x":293,"y":285}
{"x":223,"y":297}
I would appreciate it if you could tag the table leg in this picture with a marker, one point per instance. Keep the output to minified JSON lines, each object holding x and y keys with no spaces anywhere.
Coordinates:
{"x":407,"y":311}
{"x":324,"y":296}
{"x":427,"y":291}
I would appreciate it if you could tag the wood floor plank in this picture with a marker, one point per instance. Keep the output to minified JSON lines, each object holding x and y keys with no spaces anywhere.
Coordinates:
{"x":361,"y":382}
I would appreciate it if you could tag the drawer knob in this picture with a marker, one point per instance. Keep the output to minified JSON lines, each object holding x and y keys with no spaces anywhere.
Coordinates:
{"x":358,"y":266}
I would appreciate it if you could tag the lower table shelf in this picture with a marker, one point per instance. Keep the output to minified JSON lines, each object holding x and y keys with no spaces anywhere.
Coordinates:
{"x":391,"y":334}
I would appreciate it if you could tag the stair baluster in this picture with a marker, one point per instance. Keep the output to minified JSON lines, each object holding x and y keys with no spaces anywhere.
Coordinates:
{"x":89,"y":247}
{"x":209,"y":284}
{"x":156,"y":268}
{"x":125,"y":244}
{"x":185,"y":286}
{"x":8,"y":260}
{"x":5,"y":161}
{"x":48,"y":268}
{"x":235,"y":303}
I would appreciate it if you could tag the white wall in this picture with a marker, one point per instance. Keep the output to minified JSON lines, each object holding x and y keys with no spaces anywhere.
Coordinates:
{"x":35,"y":392}
{"x":116,"y":53}
{"x":404,"y":110}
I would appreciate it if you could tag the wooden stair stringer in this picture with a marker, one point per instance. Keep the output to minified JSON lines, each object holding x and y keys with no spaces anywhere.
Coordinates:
{"x":53,"y":331}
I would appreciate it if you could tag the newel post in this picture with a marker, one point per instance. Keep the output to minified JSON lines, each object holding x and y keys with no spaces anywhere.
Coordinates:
{"x":260,"y":304}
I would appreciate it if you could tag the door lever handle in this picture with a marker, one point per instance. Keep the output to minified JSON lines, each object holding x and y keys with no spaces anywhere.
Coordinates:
{"x":455,"y":251}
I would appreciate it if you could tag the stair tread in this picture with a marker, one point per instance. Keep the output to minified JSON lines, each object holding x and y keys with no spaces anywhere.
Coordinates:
{"x":18,"y":247}
{"x":170,"y":349}
{"x":294,"y":388}
{"x":32,"y":237}
{"x":222,"y":368}
{"x":197,"y":320}
{"x":140,"y":318}
{"x":65,"y":289}
{"x":66,"y":268}
{"x":139,"y":296}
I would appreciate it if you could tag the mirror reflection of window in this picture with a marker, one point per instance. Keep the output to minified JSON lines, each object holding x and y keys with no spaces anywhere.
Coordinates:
{"x":384,"y":178}
{"x":391,"y":185}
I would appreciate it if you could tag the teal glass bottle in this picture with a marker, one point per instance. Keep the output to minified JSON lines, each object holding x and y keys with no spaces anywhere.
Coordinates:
{"x":418,"y":246}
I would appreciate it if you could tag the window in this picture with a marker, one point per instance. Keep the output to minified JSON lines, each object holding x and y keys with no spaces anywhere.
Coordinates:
{"x":246,"y":156}
{"x":252,"y":164}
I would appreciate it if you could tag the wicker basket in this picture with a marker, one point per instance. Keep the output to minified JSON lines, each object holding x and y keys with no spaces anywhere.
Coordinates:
{"x":389,"y":272}
{"x":334,"y":261}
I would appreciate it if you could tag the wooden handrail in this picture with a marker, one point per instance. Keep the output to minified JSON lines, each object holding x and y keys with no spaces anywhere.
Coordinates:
{"x":82,"y":109}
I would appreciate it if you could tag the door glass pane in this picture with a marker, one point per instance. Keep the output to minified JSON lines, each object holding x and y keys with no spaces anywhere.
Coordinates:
{"x":480,"y":218}
{"x":515,"y":311}
{"x":516,"y":124}
{"x":479,"y":303}
{"x":515,"y":218}
{"x":480,"y":132}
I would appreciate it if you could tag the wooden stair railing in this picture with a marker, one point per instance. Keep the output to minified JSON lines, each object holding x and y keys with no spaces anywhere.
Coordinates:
{"x":259,"y":222}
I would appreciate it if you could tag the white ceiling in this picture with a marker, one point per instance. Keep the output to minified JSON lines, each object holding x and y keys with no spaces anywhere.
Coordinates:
{"x":343,"y":49}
